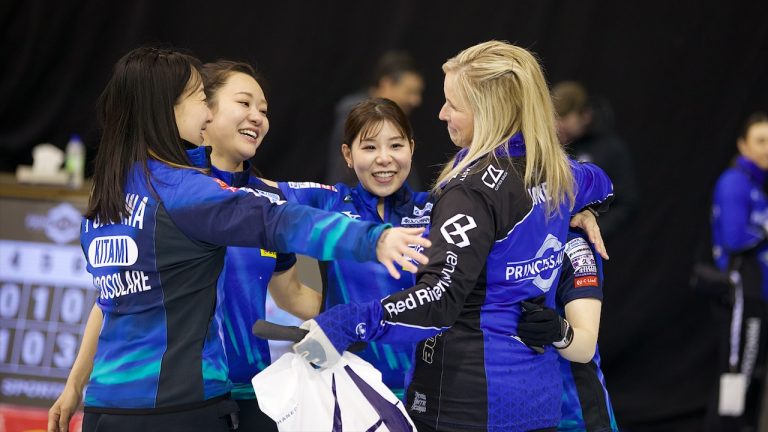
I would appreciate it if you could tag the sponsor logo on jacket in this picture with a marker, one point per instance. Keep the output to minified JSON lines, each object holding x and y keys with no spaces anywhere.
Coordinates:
{"x":311,"y":185}
{"x":121,"y":284}
{"x":350,"y":215}
{"x":424,"y":220}
{"x":118,"y":250}
{"x":418,"y":212}
{"x":419,"y":402}
{"x":583,"y":263}
{"x":271,"y":196}
{"x":426,"y":295}
{"x":224,"y":185}
{"x":542,"y":268}
{"x":455,"y":229}
{"x":493,"y":177}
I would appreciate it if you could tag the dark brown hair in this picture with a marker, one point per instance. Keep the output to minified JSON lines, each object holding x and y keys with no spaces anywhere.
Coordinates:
{"x":569,"y":97}
{"x":216,"y":74}
{"x":393,"y":65}
{"x":367,"y":118}
{"x":753,"y":119}
{"x":136,"y":115}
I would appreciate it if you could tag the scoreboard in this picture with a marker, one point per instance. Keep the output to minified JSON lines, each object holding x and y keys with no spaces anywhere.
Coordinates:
{"x":45,"y":296}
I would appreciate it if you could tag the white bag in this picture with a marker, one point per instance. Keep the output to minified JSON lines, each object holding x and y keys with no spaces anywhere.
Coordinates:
{"x":348,"y":397}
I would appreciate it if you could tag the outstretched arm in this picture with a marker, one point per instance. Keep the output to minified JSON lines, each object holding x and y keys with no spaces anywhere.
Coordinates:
{"x":218,"y":214}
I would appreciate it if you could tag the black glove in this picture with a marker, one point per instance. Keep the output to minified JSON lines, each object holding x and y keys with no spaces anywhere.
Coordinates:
{"x":540,"y":326}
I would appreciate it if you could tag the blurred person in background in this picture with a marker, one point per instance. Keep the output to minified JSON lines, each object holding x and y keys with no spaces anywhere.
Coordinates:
{"x":395,"y":77}
{"x":740,"y":248}
{"x":585,"y":126}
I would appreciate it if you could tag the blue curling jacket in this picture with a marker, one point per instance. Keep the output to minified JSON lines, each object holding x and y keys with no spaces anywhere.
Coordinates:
{"x":586,"y":405}
{"x":740,"y":221}
{"x":242,"y":294}
{"x":492,"y":247}
{"x":347,"y":281}
{"x":157,"y":271}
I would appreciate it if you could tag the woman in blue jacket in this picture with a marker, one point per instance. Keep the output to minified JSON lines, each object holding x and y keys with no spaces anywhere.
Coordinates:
{"x":740,"y":247}
{"x":378,"y":146}
{"x":154,"y":236}
{"x":236,"y":131}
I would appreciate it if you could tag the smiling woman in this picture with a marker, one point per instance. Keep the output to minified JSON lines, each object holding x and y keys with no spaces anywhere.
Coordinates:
{"x":152,"y":353}
{"x":239,"y":109}
{"x":380,"y":147}
{"x":455,"y":113}
{"x":192,"y":111}
{"x":378,"y":144}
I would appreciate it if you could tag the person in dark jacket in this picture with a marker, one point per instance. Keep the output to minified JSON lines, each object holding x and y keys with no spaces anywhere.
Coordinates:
{"x":498,"y":228}
{"x":585,"y":126}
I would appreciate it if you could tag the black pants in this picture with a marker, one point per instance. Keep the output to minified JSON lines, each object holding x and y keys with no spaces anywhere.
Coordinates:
{"x":252,"y":419}
{"x":743,"y":339}
{"x":211,"y":418}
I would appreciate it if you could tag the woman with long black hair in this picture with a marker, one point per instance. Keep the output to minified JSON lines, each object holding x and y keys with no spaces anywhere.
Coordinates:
{"x":155,"y":235}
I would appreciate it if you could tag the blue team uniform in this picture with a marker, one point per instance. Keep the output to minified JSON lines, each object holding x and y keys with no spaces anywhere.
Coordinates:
{"x":586,"y":405}
{"x":347,"y":281}
{"x":492,"y":248}
{"x":740,"y":218}
{"x":242,"y":293}
{"x":157,"y":271}
{"x":739,"y":233}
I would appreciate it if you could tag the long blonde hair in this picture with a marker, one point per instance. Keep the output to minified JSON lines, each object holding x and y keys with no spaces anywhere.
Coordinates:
{"x":504,"y":87}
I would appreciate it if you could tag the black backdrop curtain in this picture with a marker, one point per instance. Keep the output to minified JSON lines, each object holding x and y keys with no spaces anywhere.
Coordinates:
{"x":681,"y":77}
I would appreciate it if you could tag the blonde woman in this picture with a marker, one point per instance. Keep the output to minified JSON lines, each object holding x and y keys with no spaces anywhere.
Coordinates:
{"x":499,"y":229}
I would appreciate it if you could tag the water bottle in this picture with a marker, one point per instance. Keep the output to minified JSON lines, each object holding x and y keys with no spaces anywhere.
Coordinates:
{"x":75,"y":162}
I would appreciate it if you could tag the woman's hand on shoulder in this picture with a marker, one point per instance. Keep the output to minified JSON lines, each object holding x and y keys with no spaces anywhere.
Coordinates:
{"x":587,"y":221}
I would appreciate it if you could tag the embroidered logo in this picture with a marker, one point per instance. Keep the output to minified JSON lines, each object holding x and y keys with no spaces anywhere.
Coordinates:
{"x":458,"y":236}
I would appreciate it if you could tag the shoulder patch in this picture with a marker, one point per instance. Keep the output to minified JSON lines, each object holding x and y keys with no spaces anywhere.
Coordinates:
{"x":583,"y":262}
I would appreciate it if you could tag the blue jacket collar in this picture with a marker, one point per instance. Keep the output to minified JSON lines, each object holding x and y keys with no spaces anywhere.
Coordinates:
{"x":199,"y":156}
{"x":514,"y":147}
{"x":400,"y":198}
{"x":237,"y":178}
{"x":758,"y":175}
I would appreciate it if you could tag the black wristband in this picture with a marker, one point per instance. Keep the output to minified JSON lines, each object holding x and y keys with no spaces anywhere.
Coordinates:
{"x":567,"y":338}
{"x":593,"y":211}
